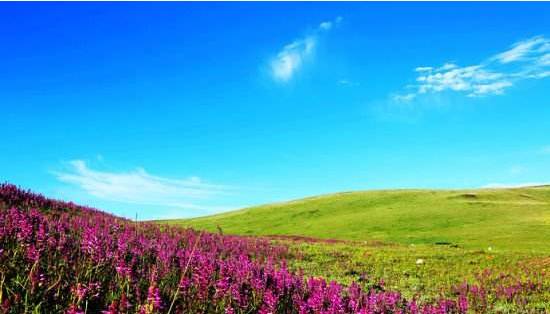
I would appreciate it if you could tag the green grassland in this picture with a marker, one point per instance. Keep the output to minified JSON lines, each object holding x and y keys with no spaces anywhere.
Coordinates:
{"x":383,"y":235}
{"x":442,"y":267}
{"x":508,"y":220}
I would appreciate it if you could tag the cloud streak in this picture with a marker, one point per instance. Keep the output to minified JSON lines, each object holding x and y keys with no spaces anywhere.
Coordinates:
{"x":530,"y":49}
{"x":140,"y":187}
{"x":292,"y":56}
{"x":527,"y":59}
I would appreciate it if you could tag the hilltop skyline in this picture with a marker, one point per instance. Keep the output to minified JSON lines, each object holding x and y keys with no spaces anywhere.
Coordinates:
{"x":173,"y":110}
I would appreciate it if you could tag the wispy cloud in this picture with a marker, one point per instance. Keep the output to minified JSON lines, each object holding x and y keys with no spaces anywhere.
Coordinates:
{"x":527,"y":59}
{"x":346,"y":82}
{"x":527,"y":49}
{"x":140,"y":187}
{"x":291,"y":58}
{"x":404,"y":97}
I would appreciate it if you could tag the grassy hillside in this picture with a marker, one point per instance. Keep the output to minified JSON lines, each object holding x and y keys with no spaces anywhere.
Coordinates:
{"x":503,"y":219}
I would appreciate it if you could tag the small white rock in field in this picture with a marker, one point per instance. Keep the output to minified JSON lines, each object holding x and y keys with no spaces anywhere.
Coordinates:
{"x":419,"y":261}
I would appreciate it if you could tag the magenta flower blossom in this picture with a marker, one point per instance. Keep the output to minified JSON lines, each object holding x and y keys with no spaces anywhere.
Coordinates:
{"x":76,"y":259}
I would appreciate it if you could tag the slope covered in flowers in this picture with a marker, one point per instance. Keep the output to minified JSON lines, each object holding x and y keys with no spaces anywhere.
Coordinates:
{"x":57,"y":257}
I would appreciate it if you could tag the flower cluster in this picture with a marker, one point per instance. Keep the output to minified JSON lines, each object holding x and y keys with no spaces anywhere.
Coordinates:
{"x":57,"y":257}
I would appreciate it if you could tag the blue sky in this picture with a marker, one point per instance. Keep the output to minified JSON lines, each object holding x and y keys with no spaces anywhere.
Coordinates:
{"x":185,"y":109}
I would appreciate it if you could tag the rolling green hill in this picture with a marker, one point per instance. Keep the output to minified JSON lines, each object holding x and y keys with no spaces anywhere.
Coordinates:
{"x":515,"y":219}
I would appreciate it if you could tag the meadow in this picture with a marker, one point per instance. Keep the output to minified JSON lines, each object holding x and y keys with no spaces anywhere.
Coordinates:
{"x":515,"y":220}
{"x":423,"y":243}
{"x":58,"y":257}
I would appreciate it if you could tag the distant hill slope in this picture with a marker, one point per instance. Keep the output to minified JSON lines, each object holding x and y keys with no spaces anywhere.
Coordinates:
{"x":509,"y":219}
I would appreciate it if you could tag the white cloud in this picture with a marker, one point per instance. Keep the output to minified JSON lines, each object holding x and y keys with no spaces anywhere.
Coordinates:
{"x":347,"y":82}
{"x":404,"y":98}
{"x":140,"y":187}
{"x":495,"y":88}
{"x":472,"y":79}
{"x":544,"y":60}
{"x":523,"y":49}
{"x":325,"y":25}
{"x":423,"y":69}
{"x":528,"y":59}
{"x":540,"y":75}
{"x":291,"y":58}
{"x":447,"y":66}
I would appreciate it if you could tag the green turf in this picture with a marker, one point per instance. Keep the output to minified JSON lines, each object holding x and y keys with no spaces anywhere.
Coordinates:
{"x":455,"y":233}
{"x":502,"y":219}
{"x":442,"y":266}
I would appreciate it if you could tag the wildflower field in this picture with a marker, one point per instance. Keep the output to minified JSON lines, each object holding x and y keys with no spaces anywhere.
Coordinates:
{"x":58,"y":257}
